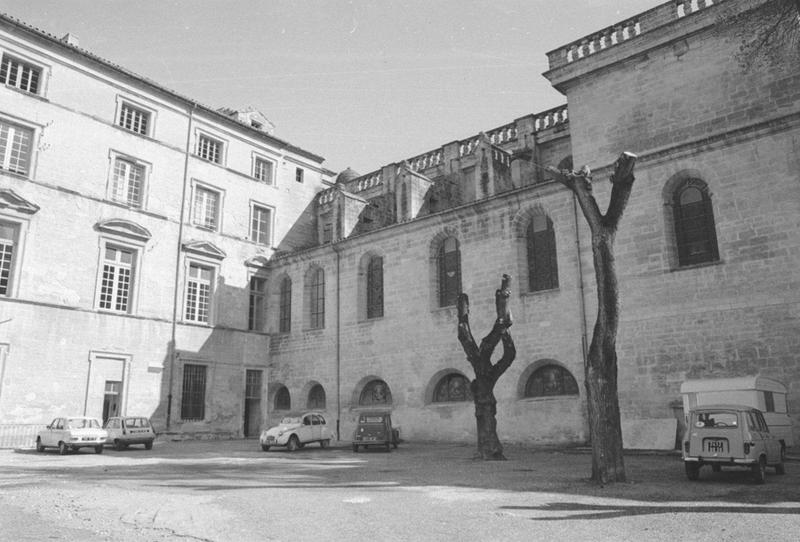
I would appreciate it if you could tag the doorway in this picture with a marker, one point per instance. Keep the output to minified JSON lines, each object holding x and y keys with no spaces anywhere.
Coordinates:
{"x":112,"y":399}
{"x":252,"y":403}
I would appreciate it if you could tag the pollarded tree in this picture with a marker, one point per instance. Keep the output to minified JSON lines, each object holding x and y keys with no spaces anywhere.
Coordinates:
{"x":768,"y":31}
{"x":605,"y":430}
{"x":486,"y":373}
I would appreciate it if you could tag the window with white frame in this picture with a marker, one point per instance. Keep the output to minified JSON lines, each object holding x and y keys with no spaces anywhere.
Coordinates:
{"x":9,"y":246}
{"x":209,"y":149}
{"x":127,"y":184}
{"x":263,"y":170}
{"x":116,"y":280}
{"x":198,"y":293}
{"x":20,"y":74}
{"x":205,"y":211}
{"x":261,"y":224}
{"x":16,"y":147}
{"x":134,"y":118}
{"x":258,"y":299}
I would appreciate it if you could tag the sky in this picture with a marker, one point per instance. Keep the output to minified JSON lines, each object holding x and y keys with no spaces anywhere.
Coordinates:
{"x":363,"y":83}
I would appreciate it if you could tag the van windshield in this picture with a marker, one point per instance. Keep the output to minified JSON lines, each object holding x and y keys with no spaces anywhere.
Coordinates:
{"x":720,"y":418}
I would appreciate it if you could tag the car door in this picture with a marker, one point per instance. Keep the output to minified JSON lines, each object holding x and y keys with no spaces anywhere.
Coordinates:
{"x":771,"y":443}
{"x":306,"y":431}
{"x":47,"y":436}
{"x":316,"y":427}
{"x":324,"y":430}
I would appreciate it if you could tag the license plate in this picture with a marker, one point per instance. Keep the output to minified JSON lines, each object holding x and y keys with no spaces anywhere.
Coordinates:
{"x":716,"y":446}
{"x":270,"y":439}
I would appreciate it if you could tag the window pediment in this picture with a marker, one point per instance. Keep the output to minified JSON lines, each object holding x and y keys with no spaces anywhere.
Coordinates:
{"x":13,"y":201}
{"x":204,"y":248}
{"x":125,"y":228}
{"x":257,"y":261}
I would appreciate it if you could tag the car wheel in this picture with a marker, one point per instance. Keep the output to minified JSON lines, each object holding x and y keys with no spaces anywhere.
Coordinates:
{"x":760,"y":471}
{"x":355,"y":448}
{"x":716,"y":468}
{"x":324,"y":443}
{"x":388,"y":446}
{"x":148,"y":445}
{"x":264,"y":448}
{"x":293,"y":443}
{"x":692,"y":471}
{"x":780,"y":468}
{"x":62,"y":448}
{"x":118,"y":445}
{"x":39,"y":446}
{"x":98,"y":449}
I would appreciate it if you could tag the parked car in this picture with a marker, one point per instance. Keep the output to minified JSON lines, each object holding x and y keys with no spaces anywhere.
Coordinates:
{"x":730,"y":435}
{"x":127,"y":430}
{"x":375,"y":429}
{"x":71,"y":434}
{"x":296,"y":431}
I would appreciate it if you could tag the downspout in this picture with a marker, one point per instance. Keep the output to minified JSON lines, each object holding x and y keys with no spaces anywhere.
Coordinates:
{"x":581,"y":289}
{"x":173,"y":352}
{"x":338,"y":340}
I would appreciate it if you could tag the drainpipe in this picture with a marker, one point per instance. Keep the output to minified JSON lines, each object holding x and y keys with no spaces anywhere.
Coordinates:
{"x":338,"y":339}
{"x":581,"y":293}
{"x":173,"y":352}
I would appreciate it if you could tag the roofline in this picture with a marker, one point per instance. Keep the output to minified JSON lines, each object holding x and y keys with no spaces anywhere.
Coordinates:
{"x":72,"y":49}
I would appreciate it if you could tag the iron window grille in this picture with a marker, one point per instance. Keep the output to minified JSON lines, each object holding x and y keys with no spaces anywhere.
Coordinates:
{"x":449,"y":263}
{"x":453,"y":387}
{"x":542,"y":257}
{"x":376,"y":392}
{"x":193,"y":399}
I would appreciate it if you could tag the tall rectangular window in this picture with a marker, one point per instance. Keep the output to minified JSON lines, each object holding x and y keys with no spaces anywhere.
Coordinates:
{"x":263,"y":170}
{"x":298,"y":174}
{"x":316,"y":294}
{"x":206,"y":208}
{"x":9,"y":236}
{"x":117,"y":279}
{"x":198,"y":293}
{"x":261,"y":225}
{"x":285,"y":315}
{"x":375,"y":287}
{"x":193,"y":399}
{"x":16,"y":146}
{"x":449,"y":263}
{"x":128,"y":182}
{"x":258,"y":300}
{"x":19,"y":74}
{"x":209,"y":149}
{"x":134,"y":119}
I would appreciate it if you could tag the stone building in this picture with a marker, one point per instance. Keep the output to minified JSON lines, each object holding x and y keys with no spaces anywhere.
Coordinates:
{"x":351,"y":304}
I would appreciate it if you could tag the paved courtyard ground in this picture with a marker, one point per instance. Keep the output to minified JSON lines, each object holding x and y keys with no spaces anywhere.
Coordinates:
{"x":232,"y":491}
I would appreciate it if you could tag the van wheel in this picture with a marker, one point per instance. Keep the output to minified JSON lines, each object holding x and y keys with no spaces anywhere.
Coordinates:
{"x":692,"y":471}
{"x":148,"y":445}
{"x":293,"y":443}
{"x":62,"y":448}
{"x":760,"y":471}
{"x":39,"y":447}
{"x":780,"y":468}
{"x":264,"y":448}
{"x":324,"y":443}
{"x":355,"y":448}
{"x":388,"y":446}
{"x":118,"y":446}
{"x":716,"y":468}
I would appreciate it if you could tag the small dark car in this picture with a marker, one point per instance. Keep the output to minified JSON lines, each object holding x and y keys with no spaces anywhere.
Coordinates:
{"x":375,"y":429}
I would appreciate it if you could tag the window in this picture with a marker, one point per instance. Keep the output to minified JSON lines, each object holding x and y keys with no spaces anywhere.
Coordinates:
{"x":694,"y":223}
{"x":261,"y":224}
{"x":206,"y":208}
{"x":193,"y":400}
{"x":116,"y":280}
{"x":542,"y":264}
{"x":327,"y":232}
{"x":16,"y":147}
{"x":9,"y":243}
{"x":375,"y":287}
{"x":198,"y":293}
{"x":376,"y":392}
{"x":258,"y":297}
{"x":283,"y":400}
{"x":298,"y":174}
{"x":452,"y":388}
{"x":551,"y":380}
{"x":209,"y":149}
{"x":449,"y":267}
{"x":404,"y":202}
{"x":316,"y":292}
{"x":134,"y":119}
{"x":263,"y":170}
{"x":19,"y":74}
{"x":285,"y":306}
{"x":128,"y":182}
{"x":316,"y":397}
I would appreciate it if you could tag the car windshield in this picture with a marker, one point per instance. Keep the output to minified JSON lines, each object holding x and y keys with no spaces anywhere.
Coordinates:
{"x":137,"y":422}
{"x":716,"y":418}
{"x":371,"y":419}
{"x":288,"y":420}
{"x":83,"y":423}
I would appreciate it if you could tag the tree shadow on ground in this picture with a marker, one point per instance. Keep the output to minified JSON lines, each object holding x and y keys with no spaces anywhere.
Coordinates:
{"x":610,"y":511}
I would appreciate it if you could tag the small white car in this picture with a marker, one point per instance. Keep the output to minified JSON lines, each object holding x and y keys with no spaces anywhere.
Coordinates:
{"x":296,"y":431}
{"x":71,"y":434}
{"x":127,"y":430}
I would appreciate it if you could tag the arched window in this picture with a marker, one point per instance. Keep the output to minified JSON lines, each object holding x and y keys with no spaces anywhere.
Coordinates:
{"x":542,"y":261}
{"x":695,"y":233}
{"x":451,"y":388}
{"x":449,"y":267}
{"x":316,"y":397}
{"x":551,"y":380}
{"x":285,"y":310}
{"x":376,"y":392}
{"x":375,"y":287}
{"x":282,"y":399}
{"x":316,"y":297}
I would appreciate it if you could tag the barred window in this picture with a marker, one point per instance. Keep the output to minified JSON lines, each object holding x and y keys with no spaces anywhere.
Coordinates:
{"x":285,"y":315}
{"x":376,"y":392}
{"x":19,"y":74}
{"x":9,"y":235}
{"x":452,"y":388}
{"x":128,"y":182}
{"x":542,"y":261}
{"x":16,"y":147}
{"x":116,"y":281}
{"x":449,"y":264}
{"x":695,"y":231}
{"x":551,"y":380}
{"x":134,"y":119}
{"x":258,"y":299}
{"x":209,"y":149}
{"x":193,"y":399}
{"x":263,"y":170}
{"x":316,"y":397}
{"x":316,"y":290}
{"x":206,"y":208}
{"x":198,"y":293}
{"x":375,"y":287}
{"x":261,"y":225}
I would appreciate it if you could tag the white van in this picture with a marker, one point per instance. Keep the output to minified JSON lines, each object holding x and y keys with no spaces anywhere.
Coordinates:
{"x":765,"y":394}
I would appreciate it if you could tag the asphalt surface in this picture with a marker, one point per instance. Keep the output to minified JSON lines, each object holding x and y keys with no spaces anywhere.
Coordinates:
{"x":232,"y":491}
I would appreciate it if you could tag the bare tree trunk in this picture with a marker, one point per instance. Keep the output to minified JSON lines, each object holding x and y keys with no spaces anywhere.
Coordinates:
{"x":605,"y":430}
{"x":486,"y":374}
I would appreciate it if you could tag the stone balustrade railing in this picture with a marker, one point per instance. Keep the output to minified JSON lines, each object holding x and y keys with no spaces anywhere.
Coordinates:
{"x":326,"y":196}
{"x":626,"y":30}
{"x":368,"y":181}
{"x":550,"y":118}
{"x":424,"y":161}
{"x":504,"y":134}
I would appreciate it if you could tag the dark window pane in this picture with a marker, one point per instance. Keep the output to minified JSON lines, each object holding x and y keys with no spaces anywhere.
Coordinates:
{"x":451,"y":388}
{"x":551,"y":380}
{"x":193,"y":400}
{"x":694,"y":224}
{"x":375,"y":287}
{"x":542,"y":257}
{"x":282,"y":399}
{"x":376,"y":392}
{"x":449,"y":263}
